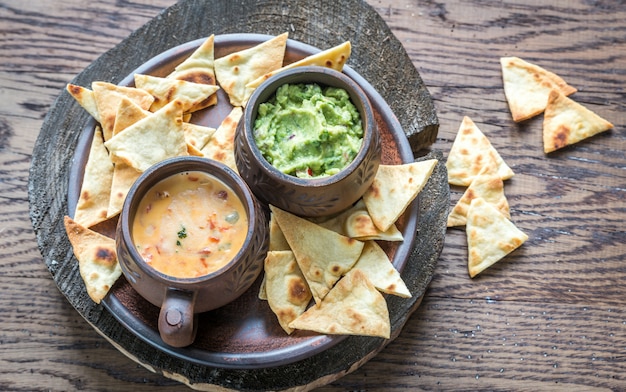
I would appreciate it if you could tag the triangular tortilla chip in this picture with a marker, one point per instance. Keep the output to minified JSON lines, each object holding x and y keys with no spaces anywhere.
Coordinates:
{"x":394,"y":188}
{"x":221,"y":146}
{"x":323,"y":255}
{"x":151,"y":140}
{"x":470,"y":152}
{"x":567,"y":122}
{"x":375,"y":263}
{"x":198,"y":67}
{"x":236,"y":70}
{"x":85,"y":98}
{"x":486,"y":186}
{"x":335,"y":58}
{"x":108,"y":97}
{"x":490,"y":236}
{"x":124,"y":176}
{"x":197,"y":136}
{"x":194,"y":96}
{"x":287,"y":291}
{"x":97,"y":258}
{"x":128,"y":113}
{"x":277,"y":238}
{"x":527,"y":87}
{"x":356,"y":222}
{"x":93,"y":200}
{"x":353,"y":307}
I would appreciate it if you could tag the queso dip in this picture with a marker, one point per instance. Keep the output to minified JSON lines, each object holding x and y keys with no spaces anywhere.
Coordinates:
{"x":189,"y":225}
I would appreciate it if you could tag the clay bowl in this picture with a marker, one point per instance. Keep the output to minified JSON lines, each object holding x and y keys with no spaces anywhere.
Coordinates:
{"x":181,"y":298}
{"x":318,"y":196}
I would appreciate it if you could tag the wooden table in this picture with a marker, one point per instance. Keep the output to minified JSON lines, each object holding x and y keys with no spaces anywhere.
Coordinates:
{"x":549,"y":316}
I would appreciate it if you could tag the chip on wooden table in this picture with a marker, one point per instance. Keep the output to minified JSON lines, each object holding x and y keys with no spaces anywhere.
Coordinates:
{"x":234,"y":71}
{"x":394,"y":188}
{"x":97,"y":258}
{"x":353,"y":307}
{"x":490,"y":236}
{"x":151,"y":139}
{"x":375,"y":263}
{"x":487,"y":185}
{"x":286,"y":289}
{"x":527,"y":87}
{"x":335,"y":58}
{"x":470,"y":152}
{"x":323,"y":255}
{"x":567,"y":122}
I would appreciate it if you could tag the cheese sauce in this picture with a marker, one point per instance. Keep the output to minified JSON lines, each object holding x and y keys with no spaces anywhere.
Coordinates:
{"x":189,"y":225}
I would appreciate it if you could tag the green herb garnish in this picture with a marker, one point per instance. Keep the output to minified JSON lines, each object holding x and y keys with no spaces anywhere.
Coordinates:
{"x":182,"y":233}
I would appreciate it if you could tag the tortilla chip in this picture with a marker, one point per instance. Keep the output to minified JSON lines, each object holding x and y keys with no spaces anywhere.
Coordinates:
{"x":527,"y":87}
{"x":323,"y":255}
{"x":221,"y":146}
{"x":567,"y":122}
{"x":108,"y":97}
{"x":151,"y":140}
{"x":375,"y":263}
{"x":277,"y":238}
{"x":489,"y":187}
{"x":97,"y":258}
{"x":262,"y":291}
{"x":198,"y":67}
{"x":194,"y":96}
{"x":197,"y":136}
{"x":352,"y":307}
{"x":124,"y":176}
{"x":85,"y":98}
{"x":287,"y":291}
{"x":128,"y":113}
{"x":93,"y":200}
{"x":236,"y":70}
{"x":394,"y":188}
{"x":470,"y":152}
{"x":278,"y":242}
{"x":490,"y":236}
{"x":335,"y":58}
{"x":357,"y":223}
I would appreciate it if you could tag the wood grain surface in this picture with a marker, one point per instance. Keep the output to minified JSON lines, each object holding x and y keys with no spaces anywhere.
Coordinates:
{"x":551,"y":316}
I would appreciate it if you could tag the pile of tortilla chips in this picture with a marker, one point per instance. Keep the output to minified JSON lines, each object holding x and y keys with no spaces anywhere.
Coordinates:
{"x":483,"y":209}
{"x":143,"y":125}
{"x":474,"y":163}
{"x":531,"y":90}
{"x":338,"y":263}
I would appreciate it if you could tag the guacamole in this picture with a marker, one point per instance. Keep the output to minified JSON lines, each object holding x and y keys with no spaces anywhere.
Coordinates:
{"x":308,"y":131}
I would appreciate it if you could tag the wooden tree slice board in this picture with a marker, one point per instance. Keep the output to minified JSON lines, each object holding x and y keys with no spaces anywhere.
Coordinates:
{"x":322,"y":24}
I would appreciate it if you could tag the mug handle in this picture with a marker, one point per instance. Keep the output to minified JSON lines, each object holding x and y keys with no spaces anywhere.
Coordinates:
{"x":177,"y":322}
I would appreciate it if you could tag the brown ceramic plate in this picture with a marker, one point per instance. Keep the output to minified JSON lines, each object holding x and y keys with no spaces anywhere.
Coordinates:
{"x":245,"y":333}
